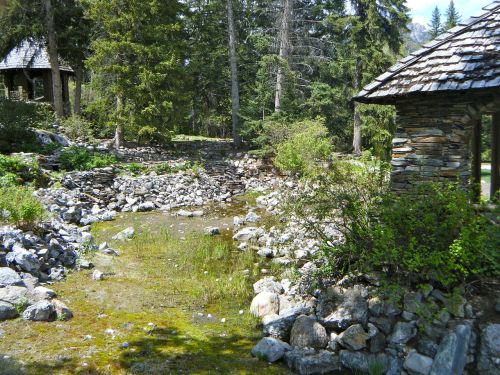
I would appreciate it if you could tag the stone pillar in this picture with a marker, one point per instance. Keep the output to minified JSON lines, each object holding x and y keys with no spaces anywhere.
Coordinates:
{"x":431,"y":144}
{"x":495,"y":154}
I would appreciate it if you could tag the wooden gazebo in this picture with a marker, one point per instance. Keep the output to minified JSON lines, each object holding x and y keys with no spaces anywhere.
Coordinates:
{"x":27,"y":74}
{"x":440,"y":94}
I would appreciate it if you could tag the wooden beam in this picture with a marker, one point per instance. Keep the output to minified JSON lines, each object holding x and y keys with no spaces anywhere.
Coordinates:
{"x":476,"y":160}
{"x":495,"y":154}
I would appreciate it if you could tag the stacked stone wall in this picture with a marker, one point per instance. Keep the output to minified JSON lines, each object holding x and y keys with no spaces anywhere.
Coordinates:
{"x":432,"y":143}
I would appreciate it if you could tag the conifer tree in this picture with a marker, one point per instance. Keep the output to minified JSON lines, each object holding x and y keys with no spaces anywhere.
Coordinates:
{"x":452,"y":16}
{"x":436,"y":27}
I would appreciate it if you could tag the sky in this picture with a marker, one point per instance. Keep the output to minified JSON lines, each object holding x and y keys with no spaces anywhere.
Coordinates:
{"x":421,"y":10}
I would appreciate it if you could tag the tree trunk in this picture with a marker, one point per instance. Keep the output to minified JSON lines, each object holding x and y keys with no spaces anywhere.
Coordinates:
{"x":235,"y":93}
{"x":77,"y":109}
{"x":119,"y":126}
{"x":53,"y":58}
{"x":356,"y":140}
{"x":283,"y":53}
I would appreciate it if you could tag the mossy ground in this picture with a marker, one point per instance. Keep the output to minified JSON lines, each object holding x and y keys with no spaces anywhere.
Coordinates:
{"x":151,"y":298}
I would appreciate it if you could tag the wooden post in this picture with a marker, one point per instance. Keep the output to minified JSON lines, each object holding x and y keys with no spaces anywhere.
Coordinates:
{"x":495,"y":154}
{"x":476,"y":160}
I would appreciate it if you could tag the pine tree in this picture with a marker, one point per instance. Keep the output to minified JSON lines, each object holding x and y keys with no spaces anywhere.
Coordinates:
{"x":452,"y":16}
{"x":139,"y":61}
{"x":436,"y":27}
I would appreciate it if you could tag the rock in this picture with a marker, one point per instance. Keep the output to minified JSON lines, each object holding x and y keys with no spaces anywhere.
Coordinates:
{"x":97,"y":275}
{"x":344,"y":307}
{"x":427,"y":347}
{"x":382,"y":323}
{"x":280,"y":326}
{"x":211,"y":231}
{"x":246,"y":234}
{"x":252,"y":217}
{"x":146,"y":206}
{"x":353,"y":338}
{"x":489,"y":351}
{"x":40,"y":311}
{"x":184,"y":213}
{"x":125,"y":234}
{"x":85,"y":264}
{"x":268,"y":284}
{"x":7,"y":311}
{"x":364,"y":362}
{"x":308,"y":333}
{"x":318,"y":364}
{"x":417,"y":364}
{"x":25,"y":259}
{"x":270,"y":349}
{"x":307,"y":362}
{"x":451,"y":356}
{"x":412,"y":301}
{"x":14,"y":294}
{"x":377,"y":343}
{"x":62,"y":311}
{"x":403,"y":332}
{"x":265,"y":303}
{"x":9,"y":277}
{"x":41,"y":292}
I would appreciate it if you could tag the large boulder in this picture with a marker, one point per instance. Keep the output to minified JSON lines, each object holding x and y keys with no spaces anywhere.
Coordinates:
{"x":489,"y":352}
{"x":451,"y":356}
{"x":62,"y":311}
{"x":270,"y":349}
{"x":353,"y":338}
{"x":9,"y":277}
{"x":7,"y":311}
{"x":40,"y":311}
{"x":246,"y":234}
{"x":403,"y":332}
{"x":342,"y":307}
{"x":14,"y":294}
{"x":307,"y":332}
{"x":417,"y":364}
{"x":279,"y":326}
{"x":265,"y":303}
{"x":308,"y":362}
{"x":360,"y":362}
{"x":26,"y":260}
{"x":268,"y":284}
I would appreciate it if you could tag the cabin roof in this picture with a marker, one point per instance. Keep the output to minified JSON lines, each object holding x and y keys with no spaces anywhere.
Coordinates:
{"x":467,"y":57}
{"x":30,"y":54}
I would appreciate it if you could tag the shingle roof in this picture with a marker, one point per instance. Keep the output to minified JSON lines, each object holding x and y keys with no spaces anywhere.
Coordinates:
{"x":31,"y":55}
{"x":467,"y":57}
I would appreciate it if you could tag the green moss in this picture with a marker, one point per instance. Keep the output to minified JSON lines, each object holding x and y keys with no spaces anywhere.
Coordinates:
{"x":159,"y":278}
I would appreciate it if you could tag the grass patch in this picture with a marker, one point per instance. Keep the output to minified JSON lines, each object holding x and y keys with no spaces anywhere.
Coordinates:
{"x":486,"y":176}
{"x":157,"y":279}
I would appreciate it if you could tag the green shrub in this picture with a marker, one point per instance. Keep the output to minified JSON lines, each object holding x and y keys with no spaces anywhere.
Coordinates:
{"x":430,"y":235}
{"x":20,"y":208}
{"x":78,"y":158}
{"x":16,"y":119}
{"x":77,"y":128}
{"x":304,"y":148}
{"x":135,"y":168}
{"x":15,"y":171}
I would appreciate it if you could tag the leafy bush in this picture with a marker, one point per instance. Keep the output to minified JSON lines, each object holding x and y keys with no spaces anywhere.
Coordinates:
{"x":135,"y":168}
{"x":78,"y":158}
{"x":77,"y":128}
{"x":305,"y":147}
{"x":16,"y":119}
{"x":20,"y":208}
{"x":432,"y":234}
{"x":15,"y":171}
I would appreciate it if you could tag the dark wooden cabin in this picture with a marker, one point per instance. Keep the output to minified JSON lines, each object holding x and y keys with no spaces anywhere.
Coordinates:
{"x":27,"y":75}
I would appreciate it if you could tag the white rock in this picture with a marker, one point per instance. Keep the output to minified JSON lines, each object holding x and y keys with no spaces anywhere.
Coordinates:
{"x":265,"y":303}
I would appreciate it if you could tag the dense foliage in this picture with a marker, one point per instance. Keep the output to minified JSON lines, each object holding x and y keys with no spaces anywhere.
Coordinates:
{"x":16,"y":120}
{"x":15,"y":171}
{"x":20,"y":208}
{"x":431,"y":235}
{"x":81,"y":159}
